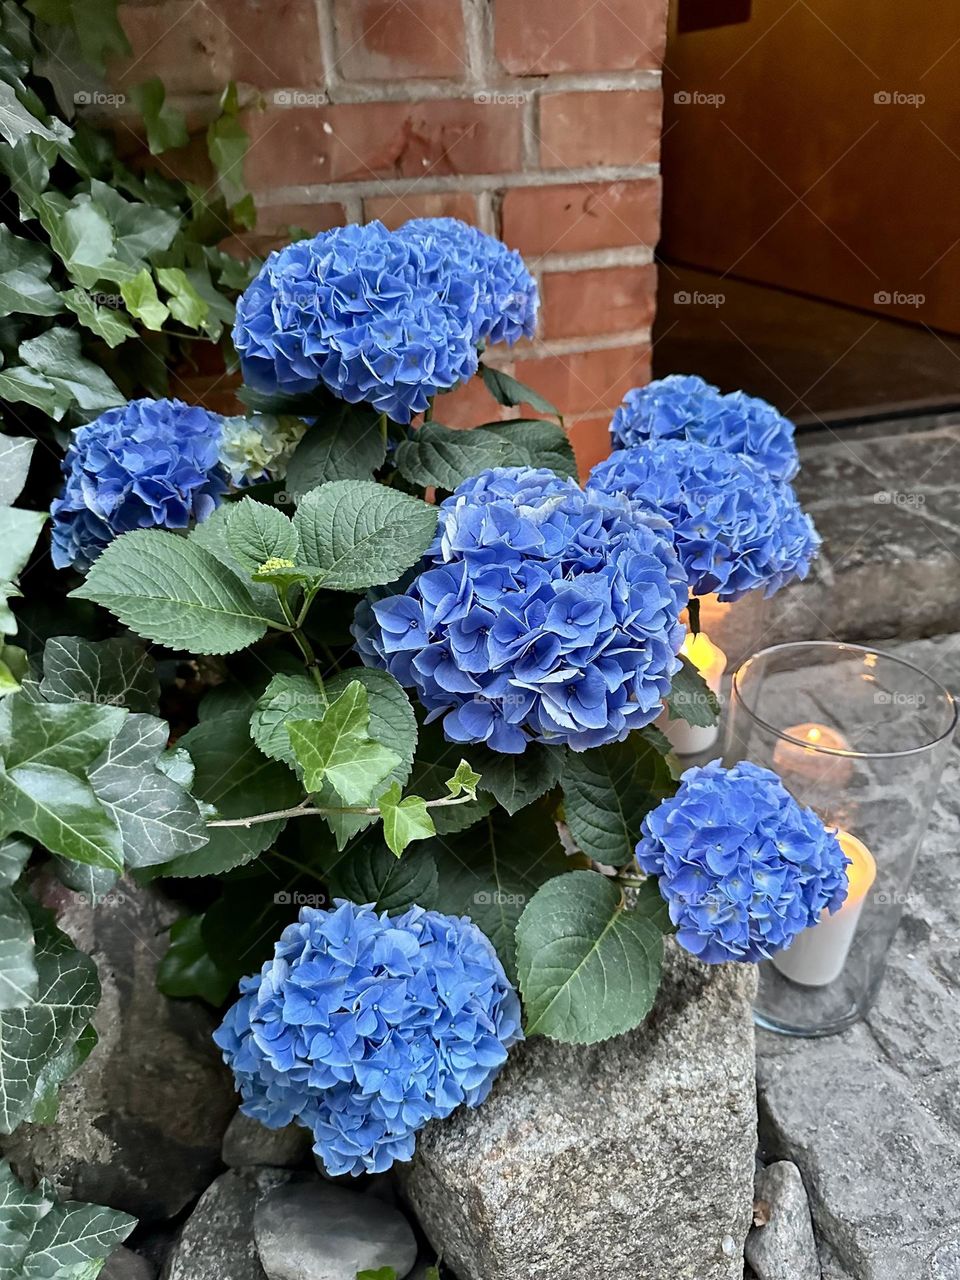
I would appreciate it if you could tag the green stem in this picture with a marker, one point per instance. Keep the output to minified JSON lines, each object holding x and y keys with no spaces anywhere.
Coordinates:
{"x":308,"y":811}
{"x":384,"y":429}
{"x":303,"y":644}
{"x":693,"y":615}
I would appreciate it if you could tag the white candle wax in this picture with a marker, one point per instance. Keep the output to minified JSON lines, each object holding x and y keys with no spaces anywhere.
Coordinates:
{"x":817,"y":955}
{"x":711,"y":662}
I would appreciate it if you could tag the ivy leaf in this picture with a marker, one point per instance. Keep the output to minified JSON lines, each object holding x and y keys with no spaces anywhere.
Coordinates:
{"x":608,"y":791}
{"x":68,"y":991}
{"x":464,"y":781}
{"x":362,"y":534}
{"x":107,"y":323}
{"x":187,"y":969}
{"x":141,"y":230}
{"x":227,"y":143}
{"x":286,"y":697}
{"x":517,"y":780}
{"x":116,"y":672}
{"x":13,"y":858}
{"x":233,"y":777}
{"x":95,"y":882}
{"x":185,"y":303}
{"x":166,"y":127}
{"x":531,"y":442}
{"x":491,"y":874}
{"x":373,"y":874}
{"x":404,"y":820}
{"x":338,"y":748}
{"x":431,"y":769}
{"x":691,"y":698}
{"x":257,"y":533}
{"x":19,"y":531}
{"x":61,"y":811}
{"x":96,"y":26}
{"x":345,"y":444}
{"x":25,"y":288}
{"x":158,"y":819}
{"x":82,"y":237}
{"x":28,"y":172}
{"x":18,"y":972}
{"x":15,"y":455}
{"x":16,"y":122}
{"x":65,"y":735}
{"x":173,"y":591}
{"x":444,"y":458}
{"x":506,"y":390}
{"x":588,"y":967}
{"x":54,"y":373}
{"x":46,"y":1095}
{"x":143,"y":301}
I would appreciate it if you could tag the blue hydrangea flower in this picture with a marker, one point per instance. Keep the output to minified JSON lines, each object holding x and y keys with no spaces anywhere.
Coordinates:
{"x":734,"y":528}
{"x":362,"y":1028}
{"x":540,"y":614}
{"x":367,"y":313}
{"x":742,"y":867}
{"x":508,"y":299}
{"x":684,"y":407}
{"x":150,"y":463}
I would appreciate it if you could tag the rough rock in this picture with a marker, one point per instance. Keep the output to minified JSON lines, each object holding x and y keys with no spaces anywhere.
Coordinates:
{"x":217,"y":1240}
{"x":124,"y":1264}
{"x":317,"y":1231}
{"x":140,"y":1125}
{"x":634,"y":1157}
{"x":782,"y":1248}
{"x":247,"y":1142}
{"x":872,"y":1117}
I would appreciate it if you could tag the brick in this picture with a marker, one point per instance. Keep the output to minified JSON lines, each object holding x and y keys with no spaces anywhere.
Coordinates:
{"x":200,"y":45}
{"x":600,"y":127}
{"x":587,"y":383}
{"x":277,"y":225}
{"x":590,"y":438}
{"x":469,"y":405}
{"x":610,"y":300}
{"x":395,"y":209}
{"x":535,"y":37}
{"x":578,"y":218}
{"x":384,"y":40}
{"x":359,"y":141}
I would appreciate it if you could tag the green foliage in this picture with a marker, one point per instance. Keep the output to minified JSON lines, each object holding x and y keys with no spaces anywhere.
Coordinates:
{"x":18,"y":971}
{"x":337,"y":748}
{"x":588,"y":967}
{"x":691,"y":698}
{"x":515,"y":781}
{"x":346,"y":443}
{"x":404,"y":819}
{"x":115,"y":672}
{"x":372,"y":874}
{"x":188,"y":969}
{"x":506,"y":390}
{"x":166,"y":127}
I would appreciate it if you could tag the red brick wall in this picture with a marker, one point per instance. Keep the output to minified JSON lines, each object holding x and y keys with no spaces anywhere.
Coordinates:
{"x":538,"y":120}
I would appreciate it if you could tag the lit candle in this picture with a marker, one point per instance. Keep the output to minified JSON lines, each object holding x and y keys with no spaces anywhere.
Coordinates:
{"x":813,"y":762}
{"x":711,"y":662}
{"x":817,"y":955}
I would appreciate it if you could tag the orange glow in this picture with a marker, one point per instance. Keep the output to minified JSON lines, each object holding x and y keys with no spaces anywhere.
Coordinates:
{"x":862,"y":871}
{"x":708,"y":658}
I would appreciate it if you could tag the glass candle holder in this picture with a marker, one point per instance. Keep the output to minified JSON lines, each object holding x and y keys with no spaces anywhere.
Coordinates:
{"x":861,"y":737}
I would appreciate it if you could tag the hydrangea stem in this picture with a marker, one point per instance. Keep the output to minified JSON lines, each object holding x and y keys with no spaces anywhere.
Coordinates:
{"x":303,"y":644}
{"x":693,"y":615}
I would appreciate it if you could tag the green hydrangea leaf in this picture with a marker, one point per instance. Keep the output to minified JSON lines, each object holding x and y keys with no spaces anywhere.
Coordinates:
{"x":371,"y":873}
{"x":18,"y":972}
{"x":691,"y":698}
{"x":117,"y":672}
{"x":517,"y":780}
{"x":405,"y":819}
{"x":439,"y":456}
{"x":338,"y":749}
{"x":286,"y":697}
{"x":257,"y":533}
{"x":15,"y":455}
{"x":506,"y":390}
{"x":344,"y":444}
{"x":187,"y":969}
{"x":362,"y":534}
{"x":588,"y":967}
{"x":172,"y":590}
{"x":531,"y":442}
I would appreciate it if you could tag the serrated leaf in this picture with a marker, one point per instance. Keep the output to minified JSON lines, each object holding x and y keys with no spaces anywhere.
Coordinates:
{"x":608,"y":791}
{"x":116,"y":672}
{"x":286,"y":697}
{"x":166,"y":127}
{"x":187,"y":969}
{"x":345,"y":444}
{"x":588,"y":967}
{"x":66,"y":735}
{"x":68,"y":991}
{"x":108,"y":323}
{"x":25,"y":288}
{"x":173,"y":591}
{"x":531,"y":442}
{"x":362,"y":534}
{"x":234,"y":777}
{"x":212,"y":536}
{"x":405,"y":819}
{"x":60,"y":811}
{"x":15,"y":455}
{"x":691,"y":698}
{"x":439,"y":456}
{"x":13,"y":858}
{"x":158,"y":820}
{"x":143,"y":301}
{"x":338,"y":749}
{"x":373,"y":874}
{"x":517,"y":780}
{"x":18,"y":972}
{"x":507,"y":390}
{"x":257,"y":533}
{"x":19,"y":531}
{"x":491,"y":873}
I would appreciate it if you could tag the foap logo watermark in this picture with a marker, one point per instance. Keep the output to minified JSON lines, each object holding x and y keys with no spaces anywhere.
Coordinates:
{"x":113,"y":301}
{"x":899,"y":498}
{"x":696,"y":98}
{"x":884,"y":898}
{"x":98,"y":98}
{"x":301,"y":98}
{"x":896,"y":298}
{"x":102,"y":901}
{"x":896,"y":98}
{"x":696,"y":298}
{"x":497,"y":898}
{"x":295,"y":898}
{"x":501,"y":98}
{"x":898,"y":698}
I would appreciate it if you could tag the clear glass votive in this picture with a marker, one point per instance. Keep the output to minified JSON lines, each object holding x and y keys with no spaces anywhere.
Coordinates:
{"x":861,"y":737}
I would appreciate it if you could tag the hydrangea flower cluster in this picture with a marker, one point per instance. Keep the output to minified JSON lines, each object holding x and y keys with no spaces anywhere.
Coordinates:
{"x":362,"y":1028}
{"x":541,"y":614}
{"x":684,"y":407}
{"x":259,"y":447}
{"x":742,"y":867}
{"x":734,"y":528}
{"x":371,"y":315}
{"x":149,"y":463}
{"x":507,"y":296}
